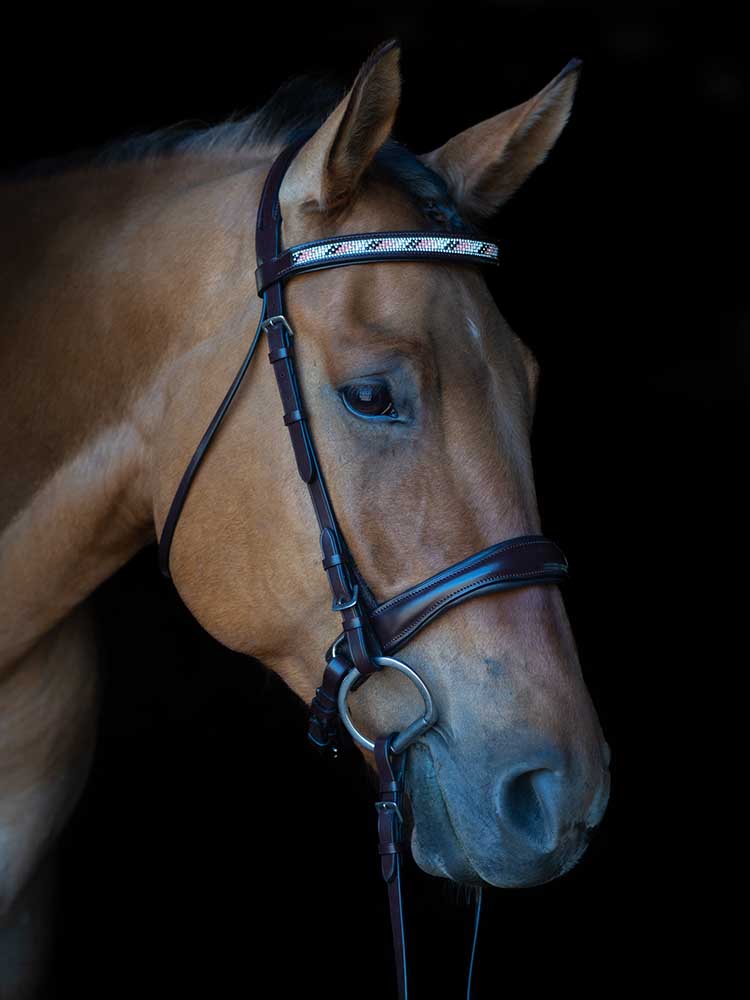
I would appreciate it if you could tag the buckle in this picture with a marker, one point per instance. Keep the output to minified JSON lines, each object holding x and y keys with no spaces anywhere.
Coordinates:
{"x":277,"y":319}
{"x":342,"y":606}
{"x":392,"y":806}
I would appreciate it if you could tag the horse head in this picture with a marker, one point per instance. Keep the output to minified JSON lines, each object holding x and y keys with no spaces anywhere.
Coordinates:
{"x":420,"y":399}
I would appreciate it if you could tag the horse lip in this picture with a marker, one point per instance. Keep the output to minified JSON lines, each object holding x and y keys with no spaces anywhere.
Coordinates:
{"x":445,"y":861}
{"x":447,"y":857}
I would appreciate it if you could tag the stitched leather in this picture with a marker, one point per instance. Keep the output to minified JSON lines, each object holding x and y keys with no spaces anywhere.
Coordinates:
{"x":518,"y":562}
{"x":277,"y":268}
{"x":336,"y":559}
{"x":323,"y":723}
{"x":390,"y":846}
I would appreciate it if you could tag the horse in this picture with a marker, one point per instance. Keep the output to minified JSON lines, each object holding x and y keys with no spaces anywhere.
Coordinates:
{"x":128,"y":300}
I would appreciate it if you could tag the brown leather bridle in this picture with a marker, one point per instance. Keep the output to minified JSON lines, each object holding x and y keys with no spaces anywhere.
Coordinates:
{"x":371,"y":632}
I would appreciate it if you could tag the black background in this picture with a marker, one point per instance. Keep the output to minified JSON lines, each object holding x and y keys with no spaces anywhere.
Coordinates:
{"x":213,"y":853}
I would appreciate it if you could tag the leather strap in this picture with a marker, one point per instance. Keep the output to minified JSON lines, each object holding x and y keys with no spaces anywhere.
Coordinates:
{"x":390,"y":847}
{"x":518,"y":562}
{"x":178,"y":501}
{"x":323,"y":729}
{"x":265,"y":237}
{"x":336,"y":558}
{"x":363,"y":248}
{"x":390,"y":828}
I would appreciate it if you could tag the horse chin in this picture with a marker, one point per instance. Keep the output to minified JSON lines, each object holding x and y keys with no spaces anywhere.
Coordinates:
{"x":433,"y":862}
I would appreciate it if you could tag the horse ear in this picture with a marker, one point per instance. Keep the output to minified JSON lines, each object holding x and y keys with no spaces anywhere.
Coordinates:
{"x":486,"y":164}
{"x":324,"y":175}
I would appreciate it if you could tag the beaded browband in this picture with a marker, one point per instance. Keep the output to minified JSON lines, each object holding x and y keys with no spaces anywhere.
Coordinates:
{"x":363,"y":248}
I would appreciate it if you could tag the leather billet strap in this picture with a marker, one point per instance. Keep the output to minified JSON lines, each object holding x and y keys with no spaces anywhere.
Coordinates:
{"x":391,"y":770}
{"x":336,"y":560}
{"x":323,"y":721}
{"x":390,"y":846}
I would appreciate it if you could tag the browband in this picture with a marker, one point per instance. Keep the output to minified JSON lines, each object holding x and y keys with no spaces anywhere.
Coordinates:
{"x":363,"y":248}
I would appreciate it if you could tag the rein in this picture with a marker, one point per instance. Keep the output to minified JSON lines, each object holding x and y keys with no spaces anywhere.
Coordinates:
{"x":371,"y":633}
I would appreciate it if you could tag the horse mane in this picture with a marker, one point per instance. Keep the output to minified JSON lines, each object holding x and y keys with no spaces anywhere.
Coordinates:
{"x":294,"y":111}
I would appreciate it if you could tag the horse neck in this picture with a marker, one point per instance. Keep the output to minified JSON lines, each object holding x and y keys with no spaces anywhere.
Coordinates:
{"x":109,"y":277}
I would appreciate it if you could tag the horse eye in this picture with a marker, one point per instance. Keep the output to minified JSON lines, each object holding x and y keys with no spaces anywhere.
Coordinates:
{"x":369,"y":399}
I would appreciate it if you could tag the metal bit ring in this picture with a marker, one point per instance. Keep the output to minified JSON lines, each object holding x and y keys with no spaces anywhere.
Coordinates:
{"x":413,"y":731}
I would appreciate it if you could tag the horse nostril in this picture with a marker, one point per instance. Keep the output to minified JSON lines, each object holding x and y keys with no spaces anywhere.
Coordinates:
{"x":529,"y":804}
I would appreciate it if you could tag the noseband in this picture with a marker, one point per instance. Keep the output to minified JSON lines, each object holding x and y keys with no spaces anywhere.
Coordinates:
{"x":371,"y":632}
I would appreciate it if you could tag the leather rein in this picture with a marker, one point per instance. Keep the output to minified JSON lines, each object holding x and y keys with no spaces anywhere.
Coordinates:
{"x":371,"y":632}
